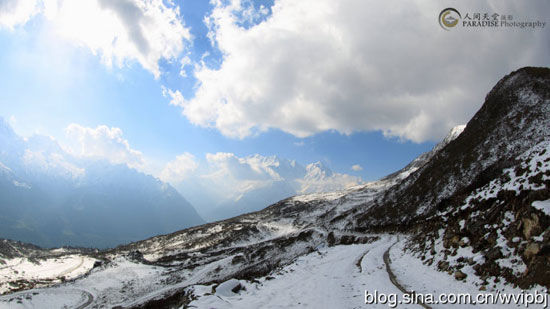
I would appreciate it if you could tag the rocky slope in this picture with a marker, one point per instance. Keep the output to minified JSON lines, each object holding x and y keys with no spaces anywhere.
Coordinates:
{"x":513,"y":119}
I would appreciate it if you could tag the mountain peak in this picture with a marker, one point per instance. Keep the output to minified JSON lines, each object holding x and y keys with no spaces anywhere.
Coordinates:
{"x":452,"y":135}
{"x":514,"y":117}
{"x":317,"y":170}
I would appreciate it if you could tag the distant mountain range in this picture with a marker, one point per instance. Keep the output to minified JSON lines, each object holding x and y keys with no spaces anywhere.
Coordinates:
{"x":280,"y":178}
{"x":50,"y":198}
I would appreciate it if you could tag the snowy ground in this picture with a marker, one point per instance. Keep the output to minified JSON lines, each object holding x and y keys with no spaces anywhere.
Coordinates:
{"x":331,"y":277}
{"x":337,"y":277}
{"x":48,"y":298}
{"x":54,"y":269}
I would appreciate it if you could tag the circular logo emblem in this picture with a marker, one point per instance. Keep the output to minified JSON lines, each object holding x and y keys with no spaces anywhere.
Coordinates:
{"x":448,"y":18}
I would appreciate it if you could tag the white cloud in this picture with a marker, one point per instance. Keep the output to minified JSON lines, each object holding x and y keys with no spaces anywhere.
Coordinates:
{"x":185,"y":61}
{"x":119,"y":31}
{"x":317,"y":65}
{"x":226,"y":178}
{"x":179,"y":169}
{"x":226,"y":185}
{"x":231,"y":176}
{"x":54,"y":163}
{"x":12,"y":121}
{"x":249,"y":168}
{"x":356,"y":168}
{"x":17,"y":12}
{"x":101,"y":143}
{"x":175,"y":96}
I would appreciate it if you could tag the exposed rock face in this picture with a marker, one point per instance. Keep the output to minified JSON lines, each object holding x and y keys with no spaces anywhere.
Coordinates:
{"x":460,"y":275}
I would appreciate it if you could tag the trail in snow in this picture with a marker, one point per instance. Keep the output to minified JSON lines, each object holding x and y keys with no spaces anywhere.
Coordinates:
{"x":14,"y":265}
{"x":89,"y":297}
{"x":331,"y":277}
{"x":70,"y":270}
{"x":334,"y":277}
{"x":393,"y":277}
{"x":360,"y":261}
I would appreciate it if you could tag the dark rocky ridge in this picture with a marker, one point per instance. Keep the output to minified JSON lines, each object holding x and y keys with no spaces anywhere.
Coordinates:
{"x":514,"y":119}
{"x":506,"y":125}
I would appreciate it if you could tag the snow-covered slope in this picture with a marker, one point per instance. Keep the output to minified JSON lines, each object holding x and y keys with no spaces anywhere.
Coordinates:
{"x":471,"y":213}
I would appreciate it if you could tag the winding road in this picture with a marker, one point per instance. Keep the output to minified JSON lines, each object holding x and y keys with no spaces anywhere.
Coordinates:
{"x":89,"y":300}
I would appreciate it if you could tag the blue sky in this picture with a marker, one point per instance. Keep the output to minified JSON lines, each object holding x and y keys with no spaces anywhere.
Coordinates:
{"x":258,"y":80}
{"x":45,"y":93}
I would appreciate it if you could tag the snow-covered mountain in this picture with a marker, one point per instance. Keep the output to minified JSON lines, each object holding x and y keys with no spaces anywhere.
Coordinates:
{"x":51,"y":198}
{"x":470,"y":216}
{"x":240,"y":185}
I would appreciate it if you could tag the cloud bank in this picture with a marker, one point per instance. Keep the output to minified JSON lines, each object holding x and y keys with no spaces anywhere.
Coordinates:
{"x":226,"y":185}
{"x":16,"y":12}
{"x":179,"y":169}
{"x":101,"y":142}
{"x":309,"y":66}
{"x":317,"y":65}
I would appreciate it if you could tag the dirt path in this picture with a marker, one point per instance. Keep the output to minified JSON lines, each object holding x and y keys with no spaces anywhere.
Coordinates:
{"x":70,"y":270}
{"x":88,"y":301}
{"x":393,"y":278}
{"x":360,"y":260}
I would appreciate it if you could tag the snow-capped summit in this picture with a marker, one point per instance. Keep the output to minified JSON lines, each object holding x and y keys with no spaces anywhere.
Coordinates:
{"x":452,"y":135}
{"x":317,"y":171}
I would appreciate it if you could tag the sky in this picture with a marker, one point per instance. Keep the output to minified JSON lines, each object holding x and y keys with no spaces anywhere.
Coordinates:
{"x":180,"y":89}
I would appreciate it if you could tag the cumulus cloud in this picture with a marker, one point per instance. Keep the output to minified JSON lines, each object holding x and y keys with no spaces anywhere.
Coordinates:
{"x":119,"y":31}
{"x":175,"y":96}
{"x":356,"y":168}
{"x":101,"y":142}
{"x":233,"y":176}
{"x":16,"y":12}
{"x":226,"y":185}
{"x":317,"y":65}
{"x":230,"y":177}
{"x":47,"y":162}
{"x":179,"y":169}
